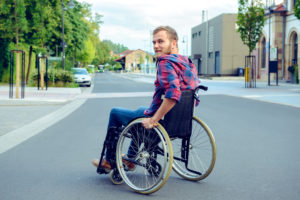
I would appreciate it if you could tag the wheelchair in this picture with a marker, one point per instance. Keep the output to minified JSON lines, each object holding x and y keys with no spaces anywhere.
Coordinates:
{"x":180,"y":141}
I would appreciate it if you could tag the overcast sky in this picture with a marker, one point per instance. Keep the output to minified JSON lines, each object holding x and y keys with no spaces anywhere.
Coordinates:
{"x":129,"y":22}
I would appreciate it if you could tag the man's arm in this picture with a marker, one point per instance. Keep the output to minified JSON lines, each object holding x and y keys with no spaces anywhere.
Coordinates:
{"x":164,"y":108}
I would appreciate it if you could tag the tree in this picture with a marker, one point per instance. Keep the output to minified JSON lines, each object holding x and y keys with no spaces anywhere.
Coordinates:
{"x":297,"y":9}
{"x":116,"y":48}
{"x":250,"y":22}
{"x":94,"y":51}
{"x":77,"y":29}
{"x":4,"y":56}
{"x":38,"y":13}
{"x":13,"y":23}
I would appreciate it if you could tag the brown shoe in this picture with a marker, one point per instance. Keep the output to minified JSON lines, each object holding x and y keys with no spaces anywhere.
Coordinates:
{"x":130,"y":166}
{"x":105,"y":165}
{"x":96,"y":162}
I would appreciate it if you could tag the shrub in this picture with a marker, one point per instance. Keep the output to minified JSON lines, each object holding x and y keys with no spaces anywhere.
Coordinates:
{"x":117,"y":66}
{"x":296,"y":73}
{"x":108,"y":67}
{"x":55,"y":76}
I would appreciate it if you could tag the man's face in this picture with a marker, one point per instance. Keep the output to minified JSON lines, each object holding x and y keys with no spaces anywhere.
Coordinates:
{"x":162,"y":44}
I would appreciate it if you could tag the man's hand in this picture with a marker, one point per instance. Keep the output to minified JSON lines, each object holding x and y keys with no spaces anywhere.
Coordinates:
{"x":166,"y":105}
{"x":148,"y":124}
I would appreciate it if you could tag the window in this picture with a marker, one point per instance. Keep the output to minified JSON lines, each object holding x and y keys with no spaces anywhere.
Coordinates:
{"x":210,"y":55}
{"x":199,"y":33}
{"x":295,"y":50}
{"x":194,"y":35}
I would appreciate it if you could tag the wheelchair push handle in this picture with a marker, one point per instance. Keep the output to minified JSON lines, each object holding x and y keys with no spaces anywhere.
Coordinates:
{"x":199,"y":87}
{"x":202,"y":87}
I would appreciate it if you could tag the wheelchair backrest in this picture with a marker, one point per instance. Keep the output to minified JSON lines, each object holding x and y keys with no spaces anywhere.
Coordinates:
{"x":178,"y":121}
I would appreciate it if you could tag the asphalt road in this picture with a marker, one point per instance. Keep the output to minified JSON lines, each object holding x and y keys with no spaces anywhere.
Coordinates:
{"x":257,"y":152}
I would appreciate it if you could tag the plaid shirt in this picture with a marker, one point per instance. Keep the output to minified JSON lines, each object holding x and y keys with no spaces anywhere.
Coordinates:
{"x":175,"y":73}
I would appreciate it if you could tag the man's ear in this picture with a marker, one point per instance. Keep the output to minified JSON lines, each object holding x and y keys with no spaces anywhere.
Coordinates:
{"x":174,"y":44}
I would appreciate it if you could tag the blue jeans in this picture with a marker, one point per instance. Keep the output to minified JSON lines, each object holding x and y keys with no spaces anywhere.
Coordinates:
{"x":121,"y":117}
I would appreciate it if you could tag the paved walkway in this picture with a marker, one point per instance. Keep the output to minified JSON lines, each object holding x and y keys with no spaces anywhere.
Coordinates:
{"x":38,"y":110}
{"x":32,"y":94}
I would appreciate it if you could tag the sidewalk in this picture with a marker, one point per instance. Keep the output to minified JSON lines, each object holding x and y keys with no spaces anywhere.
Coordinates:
{"x":32,"y":94}
{"x":284,"y":93}
{"x":38,"y":110}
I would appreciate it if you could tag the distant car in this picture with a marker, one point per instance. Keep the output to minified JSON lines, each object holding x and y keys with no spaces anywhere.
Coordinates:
{"x":101,"y":68}
{"x":82,"y":77}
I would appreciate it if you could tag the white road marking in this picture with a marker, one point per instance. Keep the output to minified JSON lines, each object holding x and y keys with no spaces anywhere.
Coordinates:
{"x":117,"y":95}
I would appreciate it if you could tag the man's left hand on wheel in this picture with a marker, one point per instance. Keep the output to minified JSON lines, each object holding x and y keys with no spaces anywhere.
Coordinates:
{"x":148,"y":124}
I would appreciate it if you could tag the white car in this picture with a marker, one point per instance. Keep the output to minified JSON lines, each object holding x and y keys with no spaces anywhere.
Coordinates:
{"x":82,"y":77}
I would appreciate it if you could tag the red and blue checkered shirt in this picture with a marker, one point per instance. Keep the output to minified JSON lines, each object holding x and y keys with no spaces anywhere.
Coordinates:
{"x":175,"y":73}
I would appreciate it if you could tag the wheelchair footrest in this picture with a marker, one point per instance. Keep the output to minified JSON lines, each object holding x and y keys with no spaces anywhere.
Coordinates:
{"x":101,"y":170}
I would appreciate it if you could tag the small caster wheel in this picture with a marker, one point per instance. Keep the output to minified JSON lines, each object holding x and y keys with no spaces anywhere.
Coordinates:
{"x":115,"y":177}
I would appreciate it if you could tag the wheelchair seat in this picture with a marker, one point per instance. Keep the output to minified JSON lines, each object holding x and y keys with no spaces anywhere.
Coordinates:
{"x":178,"y":121}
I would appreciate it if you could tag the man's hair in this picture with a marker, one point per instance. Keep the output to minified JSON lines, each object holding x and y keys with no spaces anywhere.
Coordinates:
{"x":172,"y":34}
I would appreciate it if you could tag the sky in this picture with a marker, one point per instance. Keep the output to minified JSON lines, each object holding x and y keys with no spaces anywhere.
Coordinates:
{"x":131,"y":22}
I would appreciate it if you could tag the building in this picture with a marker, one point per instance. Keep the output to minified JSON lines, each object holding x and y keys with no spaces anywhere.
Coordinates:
{"x":281,"y":30}
{"x":216,"y":46}
{"x":131,"y":60}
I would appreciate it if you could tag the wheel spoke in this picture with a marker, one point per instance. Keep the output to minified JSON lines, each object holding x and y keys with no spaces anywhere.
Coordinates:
{"x":202,"y":153}
{"x":152,"y":157}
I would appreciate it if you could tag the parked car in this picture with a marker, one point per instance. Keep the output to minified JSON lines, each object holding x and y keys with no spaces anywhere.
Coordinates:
{"x":82,"y":77}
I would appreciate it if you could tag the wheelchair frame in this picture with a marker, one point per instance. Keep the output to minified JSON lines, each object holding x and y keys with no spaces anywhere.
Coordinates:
{"x":153,"y":163}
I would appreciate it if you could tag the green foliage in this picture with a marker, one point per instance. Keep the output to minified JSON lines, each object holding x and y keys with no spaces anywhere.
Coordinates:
{"x":90,"y":70}
{"x":13,"y":23}
{"x":116,"y":48}
{"x":297,"y":73}
{"x":54,"y":77}
{"x":6,"y":50}
{"x":111,"y":62}
{"x":4,"y":56}
{"x":108,"y":67}
{"x":88,"y":53}
{"x":250,"y":22}
{"x":297,"y":9}
{"x":38,"y":24}
{"x":77,"y":28}
{"x":117,"y":66}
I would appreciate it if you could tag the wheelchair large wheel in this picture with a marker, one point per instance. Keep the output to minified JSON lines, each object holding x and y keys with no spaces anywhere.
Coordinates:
{"x":152,"y":155}
{"x":201,"y":153}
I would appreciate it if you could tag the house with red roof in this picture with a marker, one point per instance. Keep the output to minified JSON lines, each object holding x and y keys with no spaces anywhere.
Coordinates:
{"x":131,"y":60}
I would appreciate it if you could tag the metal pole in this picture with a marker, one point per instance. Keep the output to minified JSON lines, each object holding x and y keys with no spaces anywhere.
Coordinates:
{"x":187,"y":46}
{"x":283,"y":47}
{"x":63,"y":35}
{"x":206,"y":45}
{"x":269,"y":46}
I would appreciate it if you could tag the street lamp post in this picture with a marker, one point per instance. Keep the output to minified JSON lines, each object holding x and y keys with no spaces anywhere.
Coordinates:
{"x":269,"y":45}
{"x":70,"y":5}
{"x":185,"y":41}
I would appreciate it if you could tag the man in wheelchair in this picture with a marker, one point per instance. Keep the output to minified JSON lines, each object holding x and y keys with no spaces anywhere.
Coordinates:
{"x":175,"y":73}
